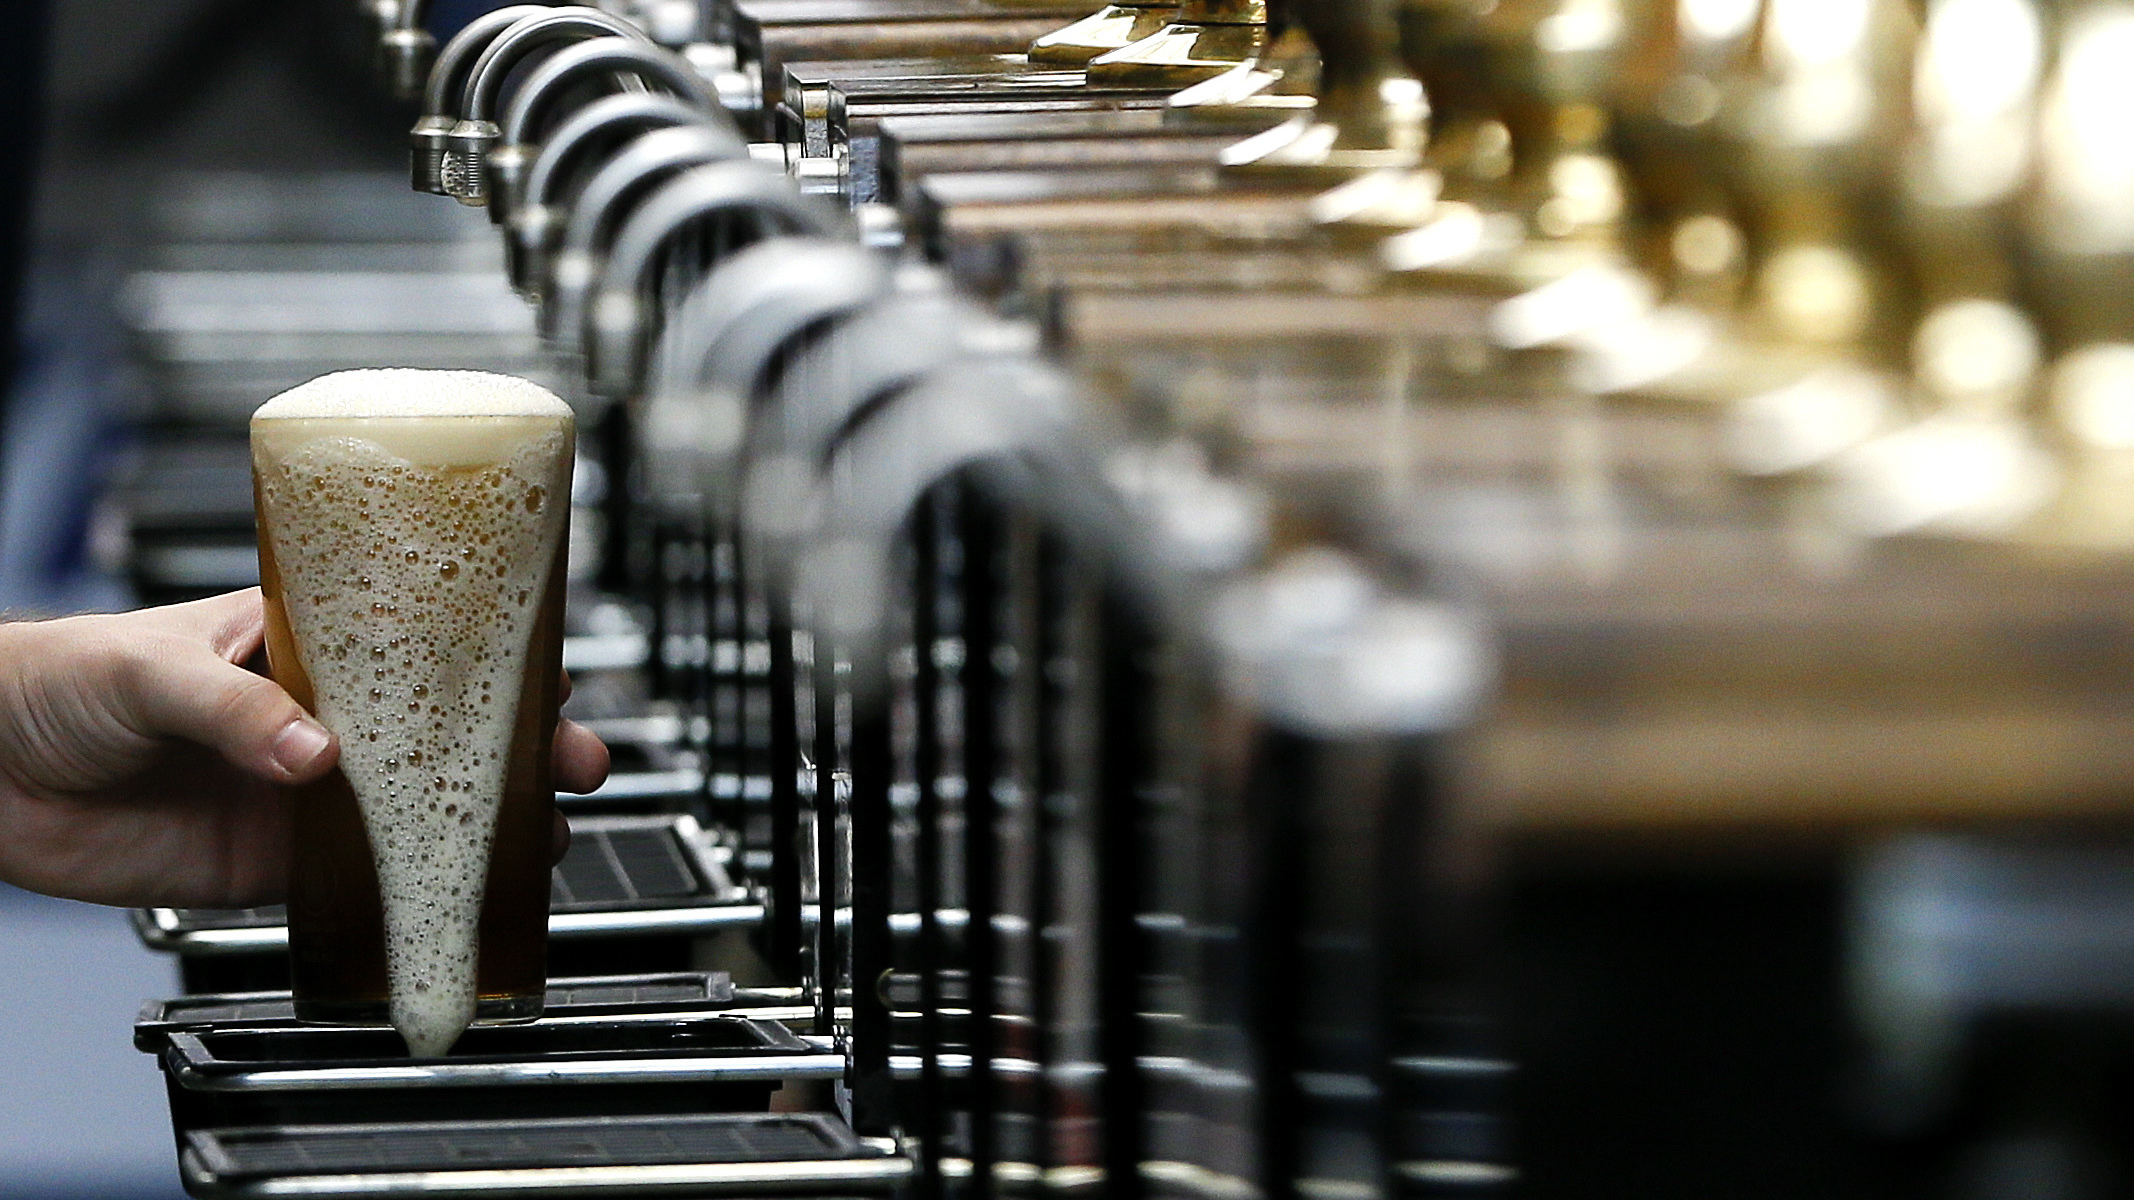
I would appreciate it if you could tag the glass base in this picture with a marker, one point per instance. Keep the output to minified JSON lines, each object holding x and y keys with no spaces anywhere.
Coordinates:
{"x":489,"y":1010}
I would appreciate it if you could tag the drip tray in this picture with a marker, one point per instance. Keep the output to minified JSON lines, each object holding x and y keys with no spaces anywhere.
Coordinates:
{"x":657,"y":995}
{"x":694,"y":1155}
{"x":646,"y":876}
{"x":307,"y":1074}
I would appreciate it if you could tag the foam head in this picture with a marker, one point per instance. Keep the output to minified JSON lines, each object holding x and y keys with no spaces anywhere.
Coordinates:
{"x":429,"y":418}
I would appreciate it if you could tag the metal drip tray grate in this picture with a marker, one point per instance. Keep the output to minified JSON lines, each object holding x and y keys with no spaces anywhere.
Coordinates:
{"x":706,"y":1153}
{"x":231,"y":918}
{"x":621,"y":866}
{"x":609,"y":995}
{"x":624,"y":875}
{"x":633,"y":1065}
{"x":449,"y":1146}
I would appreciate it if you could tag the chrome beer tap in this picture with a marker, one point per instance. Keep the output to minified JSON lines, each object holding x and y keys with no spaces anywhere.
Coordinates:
{"x":405,"y":46}
{"x":427,"y":141}
{"x":606,"y":201}
{"x":567,"y":156}
{"x":532,"y":109}
{"x":710,"y":364}
{"x":464,"y":169}
{"x":619,"y":318}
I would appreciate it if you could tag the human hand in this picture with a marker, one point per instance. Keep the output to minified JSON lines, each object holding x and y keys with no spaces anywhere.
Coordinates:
{"x":139,"y":758}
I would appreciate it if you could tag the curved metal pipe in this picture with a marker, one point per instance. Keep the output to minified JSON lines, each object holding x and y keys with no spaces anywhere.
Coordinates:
{"x":962,"y":413}
{"x":468,"y":145}
{"x":616,"y":323}
{"x":535,"y":224}
{"x":725,"y":332}
{"x":427,"y":141}
{"x":404,"y":47}
{"x":533,"y":103}
{"x":831,"y":386}
{"x":602,"y":204}
{"x":717,"y":345}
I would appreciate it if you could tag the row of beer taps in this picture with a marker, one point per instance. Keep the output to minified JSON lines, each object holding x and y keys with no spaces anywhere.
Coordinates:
{"x":1886,"y":242}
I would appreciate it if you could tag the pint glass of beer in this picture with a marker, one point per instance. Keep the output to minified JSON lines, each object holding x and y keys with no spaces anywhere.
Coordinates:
{"x":411,"y":543}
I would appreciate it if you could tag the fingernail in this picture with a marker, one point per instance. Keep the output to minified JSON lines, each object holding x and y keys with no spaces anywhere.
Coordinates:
{"x":299,"y":744}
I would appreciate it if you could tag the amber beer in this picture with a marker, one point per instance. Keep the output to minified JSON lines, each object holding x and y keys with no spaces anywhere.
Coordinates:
{"x":412,"y":529}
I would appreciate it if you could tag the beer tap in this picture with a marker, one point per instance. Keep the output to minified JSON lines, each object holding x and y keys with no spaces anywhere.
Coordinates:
{"x":464,"y":170}
{"x":1975,"y":359}
{"x":919,"y":325}
{"x":2018,"y":194}
{"x":710,"y":362}
{"x":671,"y":23}
{"x":1692,"y":55}
{"x":533,"y":103}
{"x":2078,"y":226}
{"x":1446,"y":46}
{"x":1815,"y":180}
{"x":605,"y":201}
{"x":964,"y":411}
{"x":405,"y":47}
{"x":1206,"y":39}
{"x":2078,"y":229}
{"x":427,"y":141}
{"x":535,"y":224}
{"x":2078,"y":233}
{"x":1113,"y":27}
{"x":743,"y":197}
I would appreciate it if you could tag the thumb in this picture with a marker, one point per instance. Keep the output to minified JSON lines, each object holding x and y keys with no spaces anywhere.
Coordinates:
{"x":197,"y":695}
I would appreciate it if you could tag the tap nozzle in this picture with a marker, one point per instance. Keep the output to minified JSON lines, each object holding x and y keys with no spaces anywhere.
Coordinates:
{"x":427,"y":141}
{"x":404,"y":60}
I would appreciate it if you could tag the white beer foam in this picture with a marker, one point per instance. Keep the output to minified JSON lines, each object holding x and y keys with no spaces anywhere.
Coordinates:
{"x":369,"y":525}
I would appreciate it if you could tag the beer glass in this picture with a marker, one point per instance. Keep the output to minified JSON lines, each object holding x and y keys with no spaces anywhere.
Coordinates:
{"x":412,"y":528}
